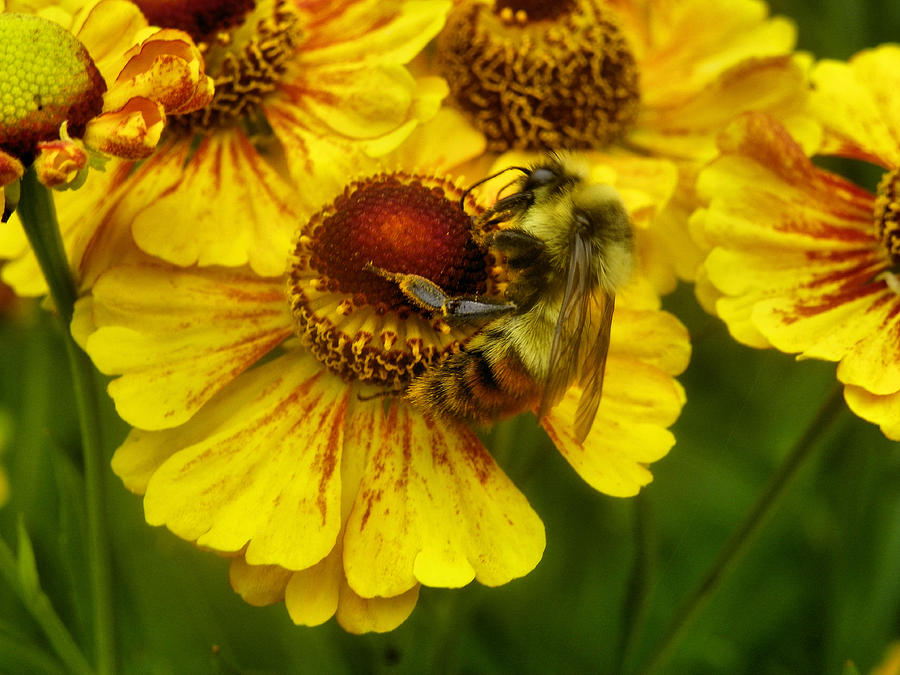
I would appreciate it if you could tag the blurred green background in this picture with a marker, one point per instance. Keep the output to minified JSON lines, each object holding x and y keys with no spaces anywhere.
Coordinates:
{"x":820,"y":585}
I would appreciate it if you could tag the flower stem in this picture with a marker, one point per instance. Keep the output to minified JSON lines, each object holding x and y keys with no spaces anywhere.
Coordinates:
{"x":731,"y":553}
{"x":637,"y":597}
{"x":38,"y":216}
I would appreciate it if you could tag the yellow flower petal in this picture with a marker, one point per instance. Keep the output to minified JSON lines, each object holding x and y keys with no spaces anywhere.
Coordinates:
{"x":131,"y":132}
{"x":873,"y":361}
{"x":258,"y":585}
{"x":312,"y":595}
{"x":640,"y":399}
{"x":108,"y":30}
{"x":429,"y":140}
{"x":881,"y":410}
{"x":363,"y":101}
{"x":177,"y":337}
{"x":388,"y":33}
{"x":693,"y":41}
{"x":645,"y":184}
{"x":379,"y":615}
{"x":859,"y":104}
{"x":434,"y":508}
{"x":687,"y":129}
{"x":427,"y":98}
{"x":828,"y":309}
{"x":226,"y":206}
{"x":666,"y":250}
{"x":165,"y":67}
{"x":784,"y":229}
{"x":265,"y":476}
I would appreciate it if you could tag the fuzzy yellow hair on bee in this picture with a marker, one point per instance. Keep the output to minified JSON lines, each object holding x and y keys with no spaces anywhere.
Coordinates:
{"x":566,"y":245}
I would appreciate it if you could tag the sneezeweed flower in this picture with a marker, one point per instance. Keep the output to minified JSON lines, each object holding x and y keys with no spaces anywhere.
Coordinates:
{"x":656,"y":80}
{"x":304,"y":89}
{"x":805,"y":260}
{"x":262,"y":428}
{"x":101,"y":75}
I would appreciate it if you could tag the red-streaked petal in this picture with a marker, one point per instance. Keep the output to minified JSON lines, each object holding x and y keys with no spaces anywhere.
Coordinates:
{"x":859,"y":104}
{"x":434,"y":508}
{"x":640,"y":400}
{"x":177,"y":337}
{"x":379,"y":32}
{"x":265,"y":475}
{"x":131,"y":132}
{"x":225,"y":206}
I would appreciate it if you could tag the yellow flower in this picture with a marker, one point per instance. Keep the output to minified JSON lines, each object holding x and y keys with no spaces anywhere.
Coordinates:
{"x":304,"y":90}
{"x":805,"y":260}
{"x":101,"y":74}
{"x":651,"y":79}
{"x":285,"y":454}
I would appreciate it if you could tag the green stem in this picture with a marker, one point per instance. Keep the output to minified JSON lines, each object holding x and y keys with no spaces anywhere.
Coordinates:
{"x":637,"y":605}
{"x":38,"y":216}
{"x":38,"y":605}
{"x":730,"y":554}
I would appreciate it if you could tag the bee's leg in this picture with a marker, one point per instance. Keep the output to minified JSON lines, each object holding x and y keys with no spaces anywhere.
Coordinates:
{"x":520,"y":248}
{"x":428,"y":295}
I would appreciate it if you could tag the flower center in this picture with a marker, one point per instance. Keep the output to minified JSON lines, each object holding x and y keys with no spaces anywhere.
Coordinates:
{"x":356,"y":321}
{"x":887,"y":214}
{"x":246,"y":61}
{"x":537,"y":75}
{"x":199,"y":18}
{"x":46,"y":78}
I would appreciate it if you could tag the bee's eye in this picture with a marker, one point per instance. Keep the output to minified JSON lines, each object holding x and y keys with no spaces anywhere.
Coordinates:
{"x":539,"y":178}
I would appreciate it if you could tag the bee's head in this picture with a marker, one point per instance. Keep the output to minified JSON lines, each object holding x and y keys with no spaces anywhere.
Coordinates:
{"x":537,"y":185}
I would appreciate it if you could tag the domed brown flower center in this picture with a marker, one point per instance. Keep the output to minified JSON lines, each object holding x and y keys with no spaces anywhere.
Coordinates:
{"x":887,"y":214}
{"x":46,"y":78}
{"x":537,"y":75}
{"x":357,"y":321}
{"x":200,"y":18}
{"x":246,"y":55}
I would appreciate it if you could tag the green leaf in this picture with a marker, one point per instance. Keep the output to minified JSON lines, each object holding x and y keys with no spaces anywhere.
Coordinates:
{"x":27,"y":567}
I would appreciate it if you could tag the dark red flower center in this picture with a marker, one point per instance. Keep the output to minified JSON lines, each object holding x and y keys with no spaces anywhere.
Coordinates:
{"x":357,"y":321}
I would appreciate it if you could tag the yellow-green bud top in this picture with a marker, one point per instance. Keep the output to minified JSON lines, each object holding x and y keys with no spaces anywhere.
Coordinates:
{"x":47,"y":77}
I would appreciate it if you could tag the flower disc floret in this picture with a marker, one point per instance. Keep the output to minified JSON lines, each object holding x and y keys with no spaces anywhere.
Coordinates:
{"x":540,"y":75}
{"x":887,"y":214}
{"x":357,"y":322}
{"x":47,"y":77}
{"x":246,"y":61}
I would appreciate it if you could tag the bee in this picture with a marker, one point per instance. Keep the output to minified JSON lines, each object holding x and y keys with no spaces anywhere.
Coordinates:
{"x":565,"y":245}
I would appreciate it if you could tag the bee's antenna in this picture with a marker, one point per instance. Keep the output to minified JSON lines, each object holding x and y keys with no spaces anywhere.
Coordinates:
{"x":462,"y":199}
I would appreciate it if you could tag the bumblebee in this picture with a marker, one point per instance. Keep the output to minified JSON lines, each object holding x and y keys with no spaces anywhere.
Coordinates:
{"x":565,"y":245}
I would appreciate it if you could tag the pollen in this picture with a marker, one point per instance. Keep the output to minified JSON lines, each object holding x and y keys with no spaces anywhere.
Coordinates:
{"x":539,"y":75}
{"x":246,"y":54}
{"x":887,"y":214}
{"x":355,"y":320}
{"x":46,"y":78}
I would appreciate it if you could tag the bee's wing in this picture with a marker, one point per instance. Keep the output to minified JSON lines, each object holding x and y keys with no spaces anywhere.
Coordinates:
{"x":574,"y":313}
{"x":593,"y":366}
